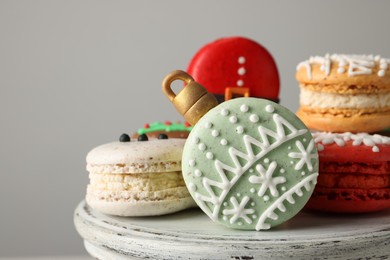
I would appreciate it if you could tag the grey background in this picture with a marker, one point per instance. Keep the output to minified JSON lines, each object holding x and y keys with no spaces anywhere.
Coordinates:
{"x":76,"y":74}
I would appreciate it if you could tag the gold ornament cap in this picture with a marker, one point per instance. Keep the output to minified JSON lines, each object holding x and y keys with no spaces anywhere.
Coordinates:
{"x":193,"y":101}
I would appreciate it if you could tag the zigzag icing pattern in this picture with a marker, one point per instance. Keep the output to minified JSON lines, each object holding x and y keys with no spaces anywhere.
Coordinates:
{"x":238,"y":170}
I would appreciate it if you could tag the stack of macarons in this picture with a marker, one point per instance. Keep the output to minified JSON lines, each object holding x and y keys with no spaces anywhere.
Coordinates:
{"x":345,"y":100}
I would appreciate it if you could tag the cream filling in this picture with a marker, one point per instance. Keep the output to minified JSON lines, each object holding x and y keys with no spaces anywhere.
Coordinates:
{"x":135,"y":187}
{"x":331,"y":100}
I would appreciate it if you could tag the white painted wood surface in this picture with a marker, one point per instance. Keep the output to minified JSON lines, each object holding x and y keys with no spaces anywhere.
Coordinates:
{"x":192,"y":235}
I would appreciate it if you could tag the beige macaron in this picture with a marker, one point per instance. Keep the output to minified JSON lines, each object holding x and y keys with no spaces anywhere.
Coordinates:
{"x":137,"y":178}
{"x":345,"y":93}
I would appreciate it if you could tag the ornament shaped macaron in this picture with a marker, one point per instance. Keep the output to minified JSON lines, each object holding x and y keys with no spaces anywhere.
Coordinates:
{"x":139,"y":177}
{"x":354,"y":173}
{"x":236,"y":66}
{"x":345,"y":93}
{"x":248,"y":163}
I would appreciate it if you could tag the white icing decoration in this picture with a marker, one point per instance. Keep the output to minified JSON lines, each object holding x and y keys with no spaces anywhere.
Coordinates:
{"x":266,"y":198}
{"x":240,"y":83}
{"x":241,"y":71}
{"x":191,"y":162}
{"x":251,"y":170}
{"x":225,"y":218}
{"x":269,"y":109}
{"x":266,"y":181}
{"x":240,"y":129}
{"x":202,"y":146}
{"x":282,"y":170}
{"x":208,"y":125}
{"x":304,"y":140}
{"x":253,"y":204}
{"x":375,"y":149}
{"x":233,"y":119}
{"x":304,"y":155}
{"x":250,"y":155}
{"x":303,"y":173}
{"x":209,"y":155}
{"x":192,"y":187}
{"x":225,"y":204}
{"x":252,"y":190}
{"x":254,"y":216}
{"x":224,"y":112}
{"x":238,"y":210}
{"x":197,"y":173}
{"x":238,"y":194}
{"x":215,"y":133}
{"x":283,"y":188}
{"x":239,"y":223}
{"x":196,"y":140}
{"x":254,"y":118}
{"x":244,"y":108}
{"x":356,"y":64}
{"x":223,"y":142}
{"x":266,"y":160}
{"x":241,"y":60}
{"x":285,"y":197}
{"x":325,"y":138}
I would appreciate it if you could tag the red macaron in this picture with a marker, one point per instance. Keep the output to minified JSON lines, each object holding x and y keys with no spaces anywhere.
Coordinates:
{"x":354,"y":173}
{"x":238,"y":65}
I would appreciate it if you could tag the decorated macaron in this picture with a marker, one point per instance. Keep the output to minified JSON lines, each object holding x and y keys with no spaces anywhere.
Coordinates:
{"x":236,"y":66}
{"x":248,"y":163}
{"x":139,"y":177}
{"x":168,"y":128}
{"x":354,"y":173}
{"x":345,"y":93}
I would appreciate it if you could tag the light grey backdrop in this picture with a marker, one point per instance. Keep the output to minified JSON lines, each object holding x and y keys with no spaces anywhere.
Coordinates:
{"x":76,"y":74}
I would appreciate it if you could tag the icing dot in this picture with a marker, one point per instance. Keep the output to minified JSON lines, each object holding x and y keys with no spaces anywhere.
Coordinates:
{"x":381,"y":73}
{"x":383,"y":66}
{"x":233,"y":119}
{"x":224,"y":112}
{"x":241,"y":60}
{"x":266,"y":160}
{"x":239,"y":223}
{"x":198,"y":173}
{"x":252,"y":190}
{"x":223,"y":142}
{"x":266,"y":198}
{"x":375,"y":149}
{"x":240,"y":83}
{"x":291,"y":162}
{"x":239,"y":130}
{"x":269,"y":109}
{"x":254,"y":216}
{"x":202,"y":146}
{"x":244,"y":108}
{"x":340,"y":70}
{"x":208,"y":125}
{"x":289,"y":147}
{"x":241,"y":71}
{"x":377,"y":58}
{"x":196,"y":140}
{"x":215,"y":133}
{"x":209,"y":155}
{"x":304,"y":139}
{"x":303,"y":173}
{"x":238,"y":194}
{"x":251,"y":170}
{"x":225,"y":204}
{"x":192,"y":187}
{"x":282,"y":170}
{"x":284,"y":188}
{"x":253,"y":118}
{"x":382,"y":60}
{"x":225,"y":218}
{"x":253,"y":204}
{"x":191,"y":162}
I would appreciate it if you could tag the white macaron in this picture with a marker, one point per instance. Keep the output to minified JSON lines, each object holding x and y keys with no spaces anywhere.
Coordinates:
{"x":137,"y":178}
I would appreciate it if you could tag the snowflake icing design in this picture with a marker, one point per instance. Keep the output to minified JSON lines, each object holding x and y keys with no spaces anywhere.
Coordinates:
{"x":239,"y":210}
{"x":304,"y":155}
{"x":266,"y":180}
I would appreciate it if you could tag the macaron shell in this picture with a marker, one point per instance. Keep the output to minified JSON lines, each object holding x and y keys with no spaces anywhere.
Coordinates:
{"x":137,"y":156}
{"x":235,"y":62}
{"x":349,"y":200}
{"x":241,"y":164}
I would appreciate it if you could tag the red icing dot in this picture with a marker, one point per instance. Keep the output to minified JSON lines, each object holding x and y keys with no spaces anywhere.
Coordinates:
{"x":186,"y":124}
{"x":168,"y":122}
{"x":146,"y":126}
